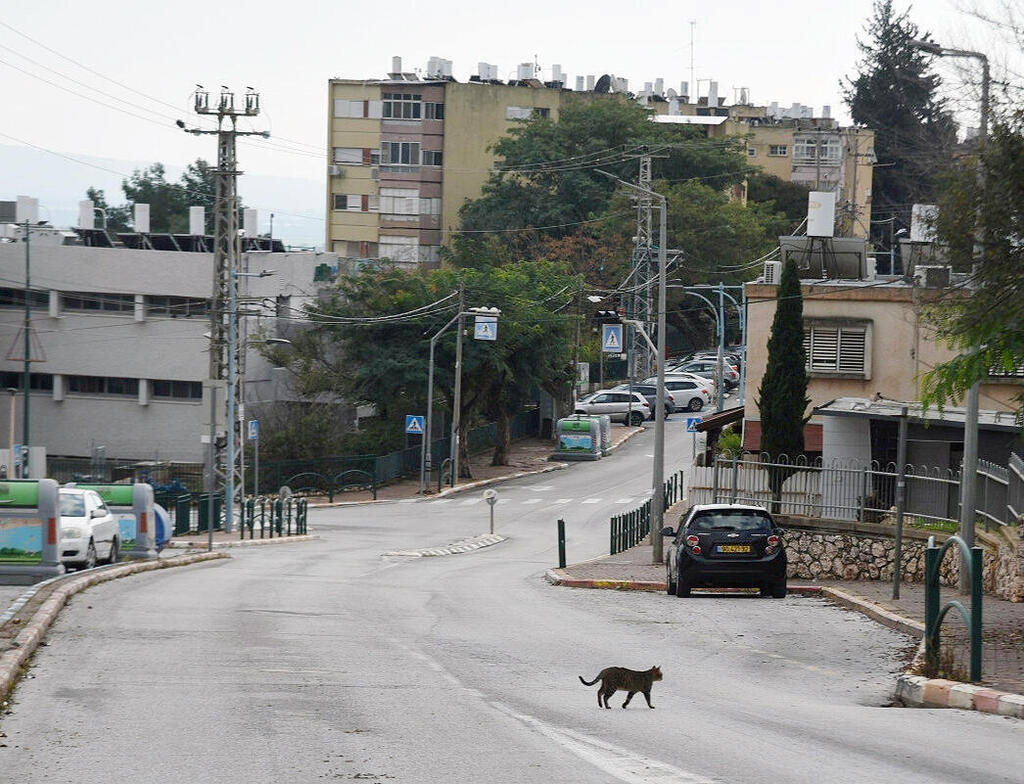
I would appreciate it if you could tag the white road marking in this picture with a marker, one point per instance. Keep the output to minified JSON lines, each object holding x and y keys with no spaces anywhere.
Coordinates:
{"x":623,"y":764}
{"x":592,"y":500}
{"x":540,"y":488}
{"x":470,"y":501}
{"x":443,"y":501}
{"x":562,"y":501}
{"x":623,"y":500}
{"x":533,"y":501}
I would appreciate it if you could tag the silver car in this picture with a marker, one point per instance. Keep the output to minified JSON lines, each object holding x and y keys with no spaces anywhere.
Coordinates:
{"x":88,"y":531}
{"x":621,"y":406}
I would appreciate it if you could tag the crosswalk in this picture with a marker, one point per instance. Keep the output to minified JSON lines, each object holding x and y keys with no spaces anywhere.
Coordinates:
{"x":525,"y":500}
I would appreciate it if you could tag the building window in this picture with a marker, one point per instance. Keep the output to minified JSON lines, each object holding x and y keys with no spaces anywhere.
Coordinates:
{"x":345,"y":108}
{"x":838,"y":348}
{"x":89,"y":302}
{"x":518,"y":112}
{"x":778,"y":150}
{"x":400,"y":249}
{"x":37,"y":382}
{"x":751,"y":152}
{"x":177,"y":390}
{"x":399,"y":201}
{"x":402,"y":106}
{"x":432,"y":157}
{"x":356,"y":156}
{"x":400,"y":153}
{"x":355,"y":202}
{"x":176,"y":307}
{"x":433,"y":111}
{"x":430,"y":206}
{"x":812,"y":148}
{"x":102,"y":385}
{"x":15,"y":298}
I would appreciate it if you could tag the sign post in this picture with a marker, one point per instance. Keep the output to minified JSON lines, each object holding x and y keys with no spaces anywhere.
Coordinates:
{"x":254,"y":436}
{"x":491,"y":497}
{"x":691,"y":427}
{"x":611,"y":339}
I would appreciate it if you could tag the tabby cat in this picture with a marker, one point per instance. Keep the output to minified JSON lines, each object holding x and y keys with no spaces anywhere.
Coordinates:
{"x":615,"y":679}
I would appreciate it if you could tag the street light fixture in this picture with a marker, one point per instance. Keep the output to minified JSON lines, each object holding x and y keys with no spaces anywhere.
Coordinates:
{"x":658,"y":475}
{"x":970,"y":460}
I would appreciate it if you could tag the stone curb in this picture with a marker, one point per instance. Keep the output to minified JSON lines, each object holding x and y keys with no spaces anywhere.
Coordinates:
{"x":25,"y":644}
{"x":471,"y":485}
{"x":181,"y":545}
{"x":461,"y":546}
{"x":911,"y":690}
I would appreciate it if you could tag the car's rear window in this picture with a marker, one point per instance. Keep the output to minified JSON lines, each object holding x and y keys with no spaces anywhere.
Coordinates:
{"x":72,"y":506}
{"x":731,"y":520}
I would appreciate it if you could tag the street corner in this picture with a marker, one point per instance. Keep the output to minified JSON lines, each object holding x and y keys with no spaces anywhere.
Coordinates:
{"x":567,"y":580}
{"x":918,"y":691}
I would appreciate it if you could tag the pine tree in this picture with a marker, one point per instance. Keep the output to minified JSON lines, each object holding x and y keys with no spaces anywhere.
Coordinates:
{"x":894,"y":94}
{"x":782,"y":396}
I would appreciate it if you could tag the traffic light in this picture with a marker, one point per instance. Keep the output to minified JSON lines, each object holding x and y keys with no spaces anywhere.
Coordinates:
{"x":608,"y":317}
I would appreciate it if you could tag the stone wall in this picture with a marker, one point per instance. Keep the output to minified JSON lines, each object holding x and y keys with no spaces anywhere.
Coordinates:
{"x":834,"y":550}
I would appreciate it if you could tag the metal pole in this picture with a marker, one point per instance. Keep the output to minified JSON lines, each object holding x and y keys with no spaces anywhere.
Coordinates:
{"x":26,"y":379}
{"x":11,"y":474}
{"x":901,"y":500}
{"x":657,"y":497}
{"x":229,"y":460}
{"x":743,"y":347}
{"x":425,"y":446}
{"x":212,"y":476}
{"x":256,"y":468}
{"x":457,"y":398}
{"x":561,"y":543}
{"x":721,"y":347}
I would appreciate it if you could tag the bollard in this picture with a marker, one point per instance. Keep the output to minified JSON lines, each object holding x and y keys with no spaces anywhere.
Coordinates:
{"x":561,"y":543}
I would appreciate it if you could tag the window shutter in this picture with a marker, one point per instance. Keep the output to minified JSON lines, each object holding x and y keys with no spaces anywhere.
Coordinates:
{"x":824,"y":348}
{"x":851,"y":351}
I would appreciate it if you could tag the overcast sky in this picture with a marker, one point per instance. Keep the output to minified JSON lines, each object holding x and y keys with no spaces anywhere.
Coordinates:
{"x":147,"y":58}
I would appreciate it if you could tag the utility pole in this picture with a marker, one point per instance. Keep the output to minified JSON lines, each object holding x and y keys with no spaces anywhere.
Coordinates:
{"x":26,"y":377}
{"x":457,"y":397}
{"x":225,"y":267}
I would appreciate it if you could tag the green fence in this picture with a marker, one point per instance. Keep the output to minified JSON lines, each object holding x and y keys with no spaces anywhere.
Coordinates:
{"x":629,"y":529}
{"x":274,"y":517}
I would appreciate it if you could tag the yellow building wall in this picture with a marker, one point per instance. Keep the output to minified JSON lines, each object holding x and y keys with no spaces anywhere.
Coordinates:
{"x":351,"y":132}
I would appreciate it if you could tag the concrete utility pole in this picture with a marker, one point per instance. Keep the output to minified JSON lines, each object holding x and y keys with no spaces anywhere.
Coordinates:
{"x":26,"y":378}
{"x":225,"y":266}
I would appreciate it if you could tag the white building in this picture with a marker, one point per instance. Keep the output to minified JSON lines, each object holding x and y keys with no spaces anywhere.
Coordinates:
{"x":118,"y":346}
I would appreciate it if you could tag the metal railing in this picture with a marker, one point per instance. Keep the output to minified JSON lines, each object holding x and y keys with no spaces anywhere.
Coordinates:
{"x":274,"y":517}
{"x":628,"y":529}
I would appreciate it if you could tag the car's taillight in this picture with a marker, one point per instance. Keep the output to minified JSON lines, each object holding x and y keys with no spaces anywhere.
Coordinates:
{"x":647,"y":403}
{"x":771,"y":543}
{"x":693,"y":542}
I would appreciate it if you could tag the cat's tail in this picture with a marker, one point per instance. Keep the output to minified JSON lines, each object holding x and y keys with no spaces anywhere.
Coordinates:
{"x":588,"y":683}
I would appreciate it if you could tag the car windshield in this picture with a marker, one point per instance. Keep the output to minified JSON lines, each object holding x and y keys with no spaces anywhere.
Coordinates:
{"x":72,"y":505}
{"x":731,"y":520}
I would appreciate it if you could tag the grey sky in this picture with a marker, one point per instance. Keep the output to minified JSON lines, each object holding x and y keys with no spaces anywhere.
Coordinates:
{"x":787,"y":51}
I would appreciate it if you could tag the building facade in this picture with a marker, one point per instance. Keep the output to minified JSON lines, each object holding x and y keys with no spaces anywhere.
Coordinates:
{"x":119,"y":349}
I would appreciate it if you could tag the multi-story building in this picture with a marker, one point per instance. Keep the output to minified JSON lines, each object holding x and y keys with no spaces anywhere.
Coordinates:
{"x":119,"y":344}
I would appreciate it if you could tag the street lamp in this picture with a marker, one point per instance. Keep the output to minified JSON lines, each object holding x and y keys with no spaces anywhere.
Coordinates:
{"x":969,"y":476}
{"x":658,"y":477}
{"x":425,"y":456}
{"x":11,"y":472}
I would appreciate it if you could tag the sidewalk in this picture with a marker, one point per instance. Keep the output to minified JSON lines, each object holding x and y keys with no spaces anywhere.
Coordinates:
{"x":1002,"y":626}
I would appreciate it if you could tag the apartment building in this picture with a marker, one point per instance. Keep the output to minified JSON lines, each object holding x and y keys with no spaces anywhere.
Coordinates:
{"x":406,"y":153}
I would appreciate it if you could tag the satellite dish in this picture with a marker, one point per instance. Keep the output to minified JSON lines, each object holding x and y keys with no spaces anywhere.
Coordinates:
{"x":604,"y":84}
{"x":672,"y":93}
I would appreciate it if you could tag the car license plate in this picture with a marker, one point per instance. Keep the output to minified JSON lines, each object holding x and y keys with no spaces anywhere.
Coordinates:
{"x":734,"y":548}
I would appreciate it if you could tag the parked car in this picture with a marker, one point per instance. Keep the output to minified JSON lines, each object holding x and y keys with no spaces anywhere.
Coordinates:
{"x":730,"y":545}
{"x":622,"y":406}
{"x":691,"y":394}
{"x":706,"y":368}
{"x":708,"y":383}
{"x":88,"y":531}
{"x":650,"y":392}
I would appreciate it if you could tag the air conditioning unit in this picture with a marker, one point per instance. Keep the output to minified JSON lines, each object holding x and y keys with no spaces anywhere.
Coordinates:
{"x":375,"y":173}
{"x":333,"y":170}
{"x":772,"y":272}
{"x":931,"y":276}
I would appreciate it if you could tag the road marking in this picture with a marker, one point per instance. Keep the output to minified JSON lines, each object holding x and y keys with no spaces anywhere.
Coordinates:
{"x":540,"y":488}
{"x":443,"y":500}
{"x":623,"y":764}
{"x":623,"y":500}
{"x":470,"y":501}
{"x":533,"y":501}
{"x":561,"y":501}
{"x":592,"y":500}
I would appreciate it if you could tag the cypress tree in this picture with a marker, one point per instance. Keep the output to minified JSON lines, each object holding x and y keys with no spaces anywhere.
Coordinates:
{"x":782,"y":396}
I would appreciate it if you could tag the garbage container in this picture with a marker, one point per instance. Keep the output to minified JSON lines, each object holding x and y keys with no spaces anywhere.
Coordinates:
{"x":579,"y":438}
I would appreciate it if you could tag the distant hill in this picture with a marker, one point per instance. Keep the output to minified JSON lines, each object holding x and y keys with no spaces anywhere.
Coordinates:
{"x":60,"y":183}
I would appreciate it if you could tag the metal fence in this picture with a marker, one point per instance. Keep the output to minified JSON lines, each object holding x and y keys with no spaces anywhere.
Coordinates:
{"x":629,"y":528}
{"x":852,"y":490}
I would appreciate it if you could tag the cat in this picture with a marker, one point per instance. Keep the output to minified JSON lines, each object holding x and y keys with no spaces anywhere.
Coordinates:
{"x":615,"y":679}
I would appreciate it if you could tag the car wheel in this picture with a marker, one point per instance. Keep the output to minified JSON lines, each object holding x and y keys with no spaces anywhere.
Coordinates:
{"x":779,"y":589}
{"x":682,"y":588}
{"x":670,"y":586}
{"x":90,"y":556}
{"x":636,"y":419}
{"x":696,"y":404}
{"x":114,"y":554}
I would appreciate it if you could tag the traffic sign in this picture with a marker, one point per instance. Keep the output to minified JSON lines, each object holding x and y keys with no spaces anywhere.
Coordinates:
{"x":692,"y":422}
{"x":414,"y":424}
{"x":611,"y":338}
{"x":485,"y":328}
{"x":254,"y":429}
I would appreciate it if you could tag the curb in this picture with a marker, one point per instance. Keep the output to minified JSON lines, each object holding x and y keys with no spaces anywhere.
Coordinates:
{"x":558,"y":577}
{"x":182,"y":545}
{"x":25,"y":644}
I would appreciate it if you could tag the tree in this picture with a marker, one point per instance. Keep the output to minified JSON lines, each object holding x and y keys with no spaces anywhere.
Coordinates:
{"x":982,"y":206}
{"x":894,"y":94}
{"x":782,"y":396}
{"x":168,"y":201}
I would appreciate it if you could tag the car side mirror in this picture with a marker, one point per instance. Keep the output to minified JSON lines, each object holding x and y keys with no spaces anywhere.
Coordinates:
{"x":668,"y":531}
{"x":97,"y":513}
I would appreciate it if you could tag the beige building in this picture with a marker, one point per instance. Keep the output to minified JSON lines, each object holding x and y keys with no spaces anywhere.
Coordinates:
{"x":865,"y":340}
{"x":407,"y":153}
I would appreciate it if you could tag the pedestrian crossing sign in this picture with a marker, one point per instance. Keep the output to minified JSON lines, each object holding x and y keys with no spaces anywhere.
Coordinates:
{"x":485,"y":328}
{"x":692,"y":422}
{"x":611,"y":339}
{"x":414,"y":424}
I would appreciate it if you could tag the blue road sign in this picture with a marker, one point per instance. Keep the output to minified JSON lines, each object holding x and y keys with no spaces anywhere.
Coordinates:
{"x":611,"y":338}
{"x":414,"y":424}
{"x":254,"y":429}
{"x":485,"y":328}
{"x":692,"y":422}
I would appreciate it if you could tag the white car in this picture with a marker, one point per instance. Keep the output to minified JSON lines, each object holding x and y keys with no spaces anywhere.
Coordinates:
{"x":88,"y":531}
{"x":691,"y":394}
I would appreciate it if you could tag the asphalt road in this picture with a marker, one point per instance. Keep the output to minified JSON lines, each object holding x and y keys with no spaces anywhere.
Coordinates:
{"x":327,"y":661}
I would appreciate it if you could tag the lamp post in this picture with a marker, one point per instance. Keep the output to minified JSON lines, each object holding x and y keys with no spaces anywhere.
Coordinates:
{"x":658,"y":474}
{"x":11,"y":473}
{"x":969,"y":475}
